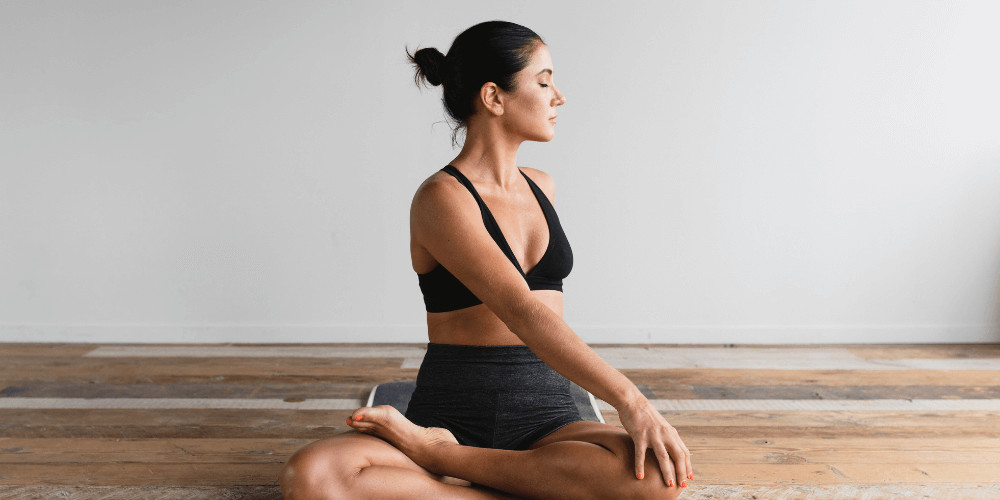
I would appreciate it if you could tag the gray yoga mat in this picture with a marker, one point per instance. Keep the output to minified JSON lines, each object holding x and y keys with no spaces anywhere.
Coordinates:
{"x":397,"y":395}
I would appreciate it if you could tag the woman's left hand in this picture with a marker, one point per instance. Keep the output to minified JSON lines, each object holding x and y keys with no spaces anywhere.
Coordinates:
{"x":649,"y":430}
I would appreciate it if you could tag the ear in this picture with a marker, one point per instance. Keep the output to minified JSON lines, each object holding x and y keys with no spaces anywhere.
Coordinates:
{"x":492,"y":98}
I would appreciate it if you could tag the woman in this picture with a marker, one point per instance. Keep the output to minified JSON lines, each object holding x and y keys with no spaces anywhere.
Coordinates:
{"x":492,"y":408}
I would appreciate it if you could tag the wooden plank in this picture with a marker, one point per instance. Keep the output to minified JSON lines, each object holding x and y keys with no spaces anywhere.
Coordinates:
{"x":203,"y":370}
{"x":929,"y":351}
{"x":852,"y":419}
{"x":668,"y":379}
{"x":376,"y":370}
{"x":209,"y":474}
{"x":860,"y":405}
{"x":42,"y":389}
{"x":86,"y":450}
{"x":64,"y":492}
{"x":792,"y":443}
{"x":329,"y":423}
{"x":819,"y":474}
{"x":156,"y":404}
{"x":693,"y":492}
{"x":666,"y":405}
{"x":136,"y":424}
{"x":759,"y":357}
{"x":14,"y":350}
{"x":867,"y":351}
{"x":142,"y":474}
{"x":249,"y":351}
{"x":766,"y":432}
{"x":835,"y":392}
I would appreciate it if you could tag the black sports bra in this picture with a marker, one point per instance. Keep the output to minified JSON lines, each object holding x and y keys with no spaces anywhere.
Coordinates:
{"x":444,"y":292}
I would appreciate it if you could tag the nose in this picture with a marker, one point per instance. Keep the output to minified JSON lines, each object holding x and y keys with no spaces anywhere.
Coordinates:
{"x":560,"y":98}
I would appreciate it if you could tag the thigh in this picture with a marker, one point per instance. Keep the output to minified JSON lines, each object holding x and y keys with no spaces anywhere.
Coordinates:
{"x":614,"y":469}
{"x":607,"y":436}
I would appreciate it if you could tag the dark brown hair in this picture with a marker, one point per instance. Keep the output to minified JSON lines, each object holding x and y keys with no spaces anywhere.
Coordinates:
{"x":492,"y":51}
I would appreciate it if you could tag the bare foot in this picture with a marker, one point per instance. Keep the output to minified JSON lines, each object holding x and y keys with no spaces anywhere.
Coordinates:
{"x":415,"y":441}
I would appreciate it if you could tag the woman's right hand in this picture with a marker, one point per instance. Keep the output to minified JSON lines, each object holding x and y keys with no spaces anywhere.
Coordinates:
{"x":649,"y":430}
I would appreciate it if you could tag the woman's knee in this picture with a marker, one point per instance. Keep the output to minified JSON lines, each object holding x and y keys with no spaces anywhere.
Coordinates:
{"x":652,"y":486}
{"x":323,"y":469}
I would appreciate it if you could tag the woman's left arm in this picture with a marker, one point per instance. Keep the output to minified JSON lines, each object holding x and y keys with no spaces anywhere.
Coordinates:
{"x":553,"y":342}
{"x":551,"y":339}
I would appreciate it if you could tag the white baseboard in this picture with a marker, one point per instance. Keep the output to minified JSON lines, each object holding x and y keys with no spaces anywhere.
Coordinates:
{"x":699,"y":334}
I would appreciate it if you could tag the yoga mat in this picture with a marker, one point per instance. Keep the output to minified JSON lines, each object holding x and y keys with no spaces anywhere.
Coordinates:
{"x":397,"y":394}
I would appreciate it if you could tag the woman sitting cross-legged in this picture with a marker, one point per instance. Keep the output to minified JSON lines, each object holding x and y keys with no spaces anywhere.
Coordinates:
{"x":492,"y":415}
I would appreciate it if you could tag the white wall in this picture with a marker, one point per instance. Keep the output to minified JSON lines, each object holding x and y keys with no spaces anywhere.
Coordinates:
{"x":726,"y":171}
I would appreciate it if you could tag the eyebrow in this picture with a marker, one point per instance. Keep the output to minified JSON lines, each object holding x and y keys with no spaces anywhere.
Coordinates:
{"x":543,"y":71}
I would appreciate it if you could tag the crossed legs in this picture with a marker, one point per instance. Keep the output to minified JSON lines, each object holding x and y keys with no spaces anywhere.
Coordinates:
{"x":390,"y":458}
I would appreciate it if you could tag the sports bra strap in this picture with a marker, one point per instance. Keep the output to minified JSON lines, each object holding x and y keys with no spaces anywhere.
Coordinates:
{"x":491,"y":223}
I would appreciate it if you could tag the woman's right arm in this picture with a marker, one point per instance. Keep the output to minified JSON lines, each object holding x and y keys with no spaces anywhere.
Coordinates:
{"x":448,"y":223}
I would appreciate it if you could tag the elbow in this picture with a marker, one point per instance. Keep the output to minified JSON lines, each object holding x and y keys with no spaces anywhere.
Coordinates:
{"x":520,"y":311}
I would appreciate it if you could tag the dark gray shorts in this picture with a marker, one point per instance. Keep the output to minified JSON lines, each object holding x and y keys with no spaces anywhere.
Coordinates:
{"x":490,"y":396}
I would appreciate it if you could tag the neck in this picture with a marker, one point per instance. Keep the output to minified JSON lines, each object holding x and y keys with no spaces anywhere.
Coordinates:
{"x":489,"y":154}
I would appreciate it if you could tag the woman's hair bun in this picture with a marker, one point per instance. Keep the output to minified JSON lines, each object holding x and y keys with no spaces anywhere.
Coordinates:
{"x":430,"y":63}
{"x":491,"y":51}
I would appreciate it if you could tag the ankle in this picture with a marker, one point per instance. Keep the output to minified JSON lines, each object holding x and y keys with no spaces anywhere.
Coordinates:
{"x":433,"y":455}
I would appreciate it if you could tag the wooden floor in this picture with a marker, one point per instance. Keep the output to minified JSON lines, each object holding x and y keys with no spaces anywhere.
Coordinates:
{"x":218,"y":421}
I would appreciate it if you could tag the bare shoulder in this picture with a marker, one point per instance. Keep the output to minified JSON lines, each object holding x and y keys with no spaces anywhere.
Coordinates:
{"x":544,"y":181}
{"x":440,"y":196}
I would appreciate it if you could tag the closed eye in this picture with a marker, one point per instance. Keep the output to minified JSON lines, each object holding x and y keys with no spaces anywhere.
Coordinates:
{"x":543,"y":85}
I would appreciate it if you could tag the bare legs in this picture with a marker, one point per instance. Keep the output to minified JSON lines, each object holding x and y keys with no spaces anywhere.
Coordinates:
{"x":593,"y":462}
{"x":358,"y":466}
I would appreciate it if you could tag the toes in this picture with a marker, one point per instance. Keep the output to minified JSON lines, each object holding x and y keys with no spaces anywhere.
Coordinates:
{"x":360,"y":417}
{"x":369,"y":418}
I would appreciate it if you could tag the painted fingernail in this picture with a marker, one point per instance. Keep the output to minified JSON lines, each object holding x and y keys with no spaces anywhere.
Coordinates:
{"x":638,"y":475}
{"x":684,"y":484}
{"x":671,"y":483}
{"x":348,"y":420}
{"x":691,"y":477}
{"x":357,"y":417}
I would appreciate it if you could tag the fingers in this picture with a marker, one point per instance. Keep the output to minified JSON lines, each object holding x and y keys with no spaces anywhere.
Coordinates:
{"x":666,"y":466}
{"x":680,"y":462}
{"x":687,"y":462}
{"x":640,"y":459}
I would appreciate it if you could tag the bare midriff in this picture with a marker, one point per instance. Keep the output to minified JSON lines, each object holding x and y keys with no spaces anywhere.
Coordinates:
{"x":477,"y":325}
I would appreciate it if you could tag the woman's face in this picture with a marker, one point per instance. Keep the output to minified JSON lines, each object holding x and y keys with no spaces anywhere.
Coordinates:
{"x":530,"y":110}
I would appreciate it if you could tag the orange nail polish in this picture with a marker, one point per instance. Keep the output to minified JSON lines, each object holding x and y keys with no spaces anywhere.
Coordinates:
{"x":348,"y":420}
{"x":638,"y":476}
{"x":684,"y":484}
{"x":357,"y":417}
{"x":671,"y":483}
{"x":691,"y":477}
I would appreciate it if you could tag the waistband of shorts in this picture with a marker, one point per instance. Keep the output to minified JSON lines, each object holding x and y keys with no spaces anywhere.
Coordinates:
{"x":495,"y":353}
{"x":490,"y":368}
